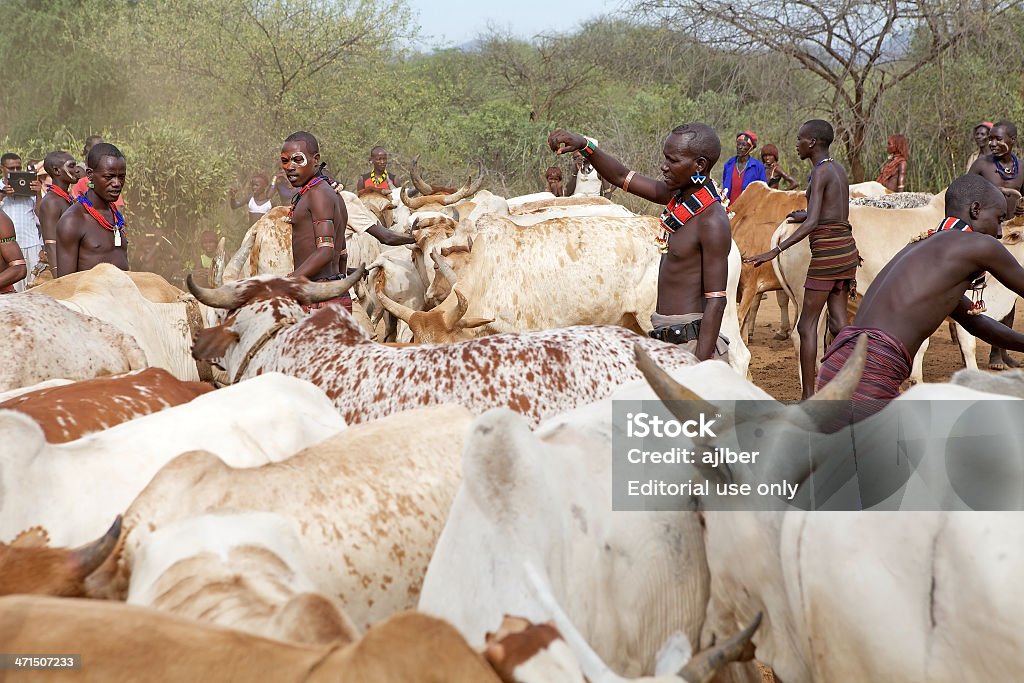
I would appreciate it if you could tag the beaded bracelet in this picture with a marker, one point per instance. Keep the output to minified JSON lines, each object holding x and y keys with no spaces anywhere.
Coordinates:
{"x":589,"y":149}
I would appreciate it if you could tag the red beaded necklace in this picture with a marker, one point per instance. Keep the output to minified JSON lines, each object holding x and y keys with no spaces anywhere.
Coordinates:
{"x":117,"y":227}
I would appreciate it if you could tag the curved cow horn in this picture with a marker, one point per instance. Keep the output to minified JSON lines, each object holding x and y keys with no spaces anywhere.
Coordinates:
{"x":444,"y":267}
{"x":829,"y":404}
{"x":669,"y":390}
{"x":414,"y":173}
{"x":458,"y":195}
{"x":88,"y":558}
{"x":316,"y":292}
{"x":453,"y":308}
{"x":703,"y":667}
{"x":413,"y":203}
{"x":400,"y":311}
{"x":474,"y":186}
{"x":219,"y":297}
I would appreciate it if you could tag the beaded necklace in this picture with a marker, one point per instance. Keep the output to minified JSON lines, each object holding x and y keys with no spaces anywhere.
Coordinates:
{"x":1002,"y":172}
{"x":310,"y":184}
{"x":680,"y":210}
{"x":117,"y":227}
{"x":977,"y":285}
{"x":382,"y":180}
{"x":60,"y":193}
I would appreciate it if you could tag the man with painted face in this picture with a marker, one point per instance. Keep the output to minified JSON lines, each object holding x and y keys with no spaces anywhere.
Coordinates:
{"x":923,"y":284}
{"x":92,"y":231}
{"x":63,"y":170}
{"x":834,"y":257}
{"x":694,"y":239}
{"x":1002,"y":169}
{"x":317,"y":214}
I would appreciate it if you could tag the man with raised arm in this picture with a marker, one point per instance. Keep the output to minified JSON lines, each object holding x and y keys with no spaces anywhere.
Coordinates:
{"x":694,"y":239}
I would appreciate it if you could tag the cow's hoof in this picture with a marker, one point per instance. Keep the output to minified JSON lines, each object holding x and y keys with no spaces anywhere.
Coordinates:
{"x":781,"y":336}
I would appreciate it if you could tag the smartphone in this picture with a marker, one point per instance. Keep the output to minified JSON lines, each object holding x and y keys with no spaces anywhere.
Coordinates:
{"x":20,"y":182}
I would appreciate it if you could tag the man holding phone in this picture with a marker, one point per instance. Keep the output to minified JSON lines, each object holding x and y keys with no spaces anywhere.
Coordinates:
{"x":21,"y":210}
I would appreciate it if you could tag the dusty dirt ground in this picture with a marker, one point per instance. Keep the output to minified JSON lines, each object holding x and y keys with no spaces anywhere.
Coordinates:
{"x":773,"y":363}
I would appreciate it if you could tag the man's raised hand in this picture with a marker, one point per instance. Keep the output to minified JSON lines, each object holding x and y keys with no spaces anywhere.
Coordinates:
{"x":562,"y":141}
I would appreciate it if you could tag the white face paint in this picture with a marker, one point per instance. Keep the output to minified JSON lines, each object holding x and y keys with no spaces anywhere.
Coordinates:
{"x":299,"y":159}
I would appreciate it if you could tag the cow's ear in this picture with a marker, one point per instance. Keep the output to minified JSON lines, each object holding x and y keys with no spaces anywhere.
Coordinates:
{"x":467,"y":323}
{"x":34,"y":537}
{"x":1012,"y":237}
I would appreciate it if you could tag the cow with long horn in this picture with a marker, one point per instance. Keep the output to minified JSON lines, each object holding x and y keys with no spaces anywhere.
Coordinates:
{"x":538,"y":374}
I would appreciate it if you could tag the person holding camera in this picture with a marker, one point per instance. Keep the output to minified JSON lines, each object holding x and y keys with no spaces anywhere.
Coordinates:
{"x":19,"y":203}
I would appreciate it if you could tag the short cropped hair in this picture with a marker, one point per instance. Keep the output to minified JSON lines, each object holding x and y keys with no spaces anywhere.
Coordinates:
{"x":821,"y":131}
{"x":375,"y":149}
{"x":702,"y":140}
{"x":968,"y":189}
{"x":8,"y":156}
{"x":302,"y":136}
{"x":1008,"y":125}
{"x":53,"y":162}
{"x":100,"y":150}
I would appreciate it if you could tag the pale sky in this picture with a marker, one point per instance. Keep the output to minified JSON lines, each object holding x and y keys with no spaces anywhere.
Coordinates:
{"x":454,"y":22}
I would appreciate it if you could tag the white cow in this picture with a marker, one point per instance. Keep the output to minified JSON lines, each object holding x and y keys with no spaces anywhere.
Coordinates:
{"x":44,"y":340}
{"x":244,"y":571}
{"x":160,"y":317}
{"x":368,"y":503}
{"x":909,"y":596}
{"x":627,"y":580}
{"x":74,"y":489}
{"x":561,"y":272}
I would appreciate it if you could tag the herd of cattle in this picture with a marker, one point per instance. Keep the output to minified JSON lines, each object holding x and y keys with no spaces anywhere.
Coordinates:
{"x":422,"y":490}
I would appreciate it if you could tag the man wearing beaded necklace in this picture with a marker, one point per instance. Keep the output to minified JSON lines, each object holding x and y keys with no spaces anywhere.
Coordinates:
{"x":834,"y":257}
{"x":923,"y":284}
{"x":317,"y":214}
{"x":63,"y":169}
{"x":92,"y":231}
{"x":379,"y":179}
{"x":695,"y":238}
{"x":1002,"y":169}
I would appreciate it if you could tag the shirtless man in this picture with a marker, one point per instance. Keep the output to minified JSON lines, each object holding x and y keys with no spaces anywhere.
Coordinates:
{"x":695,"y":238}
{"x":924,"y":283}
{"x":92,"y":231}
{"x":317,"y":214}
{"x":1002,"y":169}
{"x":63,"y":169}
{"x":834,"y":257}
{"x":13,"y":267}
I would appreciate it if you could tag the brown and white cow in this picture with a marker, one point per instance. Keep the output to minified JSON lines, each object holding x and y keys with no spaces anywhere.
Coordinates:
{"x":755,"y":216}
{"x":120,"y":642}
{"x":537,"y":374}
{"x":71,"y":411}
{"x":28,"y":565}
{"x":244,"y":571}
{"x":366,"y":505}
